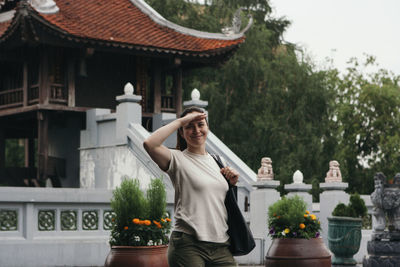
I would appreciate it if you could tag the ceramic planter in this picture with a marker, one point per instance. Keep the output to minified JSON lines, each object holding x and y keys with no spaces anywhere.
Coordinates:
{"x":344,"y":237}
{"x":130,"y":256}
{"x":298,"y":252}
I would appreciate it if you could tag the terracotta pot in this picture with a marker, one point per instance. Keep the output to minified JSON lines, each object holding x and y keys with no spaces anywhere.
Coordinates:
{"x":298,"y":252}
{"x":129,"y":256}
{"x":344,"y":237}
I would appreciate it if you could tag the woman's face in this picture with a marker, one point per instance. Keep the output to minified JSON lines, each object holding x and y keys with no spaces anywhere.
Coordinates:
{"x":195,"y":132}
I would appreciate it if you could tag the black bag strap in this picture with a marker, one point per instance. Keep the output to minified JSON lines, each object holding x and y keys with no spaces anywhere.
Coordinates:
{"x":218,"y":159}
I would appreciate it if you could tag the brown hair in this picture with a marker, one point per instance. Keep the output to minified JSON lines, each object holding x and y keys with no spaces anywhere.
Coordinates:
{"x":180,"y":141}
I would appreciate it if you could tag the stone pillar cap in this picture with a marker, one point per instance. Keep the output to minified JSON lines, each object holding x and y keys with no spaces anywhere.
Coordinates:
{"x":297,"y":187}
{"x":128,"y":95}
{"x":195,"y":100}
{"x":333,"y":186}
{"x":266,"y":184}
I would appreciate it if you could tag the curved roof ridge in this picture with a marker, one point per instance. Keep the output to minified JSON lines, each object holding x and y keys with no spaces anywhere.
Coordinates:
{"x":6,"y":16}
{"x":157,"y":18}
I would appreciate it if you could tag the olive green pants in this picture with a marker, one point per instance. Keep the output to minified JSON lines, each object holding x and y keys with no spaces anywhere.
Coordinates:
{"x":186,"y":251}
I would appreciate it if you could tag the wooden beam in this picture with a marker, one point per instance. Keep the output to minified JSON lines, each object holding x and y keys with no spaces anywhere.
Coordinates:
{"x":43,"y":129}
{"x":30,"y":152}
{"x":25,"y":84}
{"x":2,"y":149}
{"x":178,"y":91}
{"x":71,"y":82}
{"x":44,"y":90}
{"x":157,"y":90}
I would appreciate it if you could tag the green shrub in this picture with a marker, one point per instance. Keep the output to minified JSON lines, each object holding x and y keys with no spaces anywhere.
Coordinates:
{"x":288,"y":218}
{"x":356,"y":208}
{"x":139,"y":220}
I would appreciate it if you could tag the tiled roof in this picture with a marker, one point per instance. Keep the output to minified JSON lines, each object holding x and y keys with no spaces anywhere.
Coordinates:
{"x":122,"y":23}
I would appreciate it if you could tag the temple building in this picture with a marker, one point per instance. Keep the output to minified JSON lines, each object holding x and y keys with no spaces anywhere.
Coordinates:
{"x":59,"y":59}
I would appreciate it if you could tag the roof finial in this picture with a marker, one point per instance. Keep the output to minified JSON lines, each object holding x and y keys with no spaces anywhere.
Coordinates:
{"x":237,"y":23}
{"x":44,"y":6}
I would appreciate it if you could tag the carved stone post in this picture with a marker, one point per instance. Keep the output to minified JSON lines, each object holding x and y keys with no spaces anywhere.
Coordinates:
{"x":333,"y":193}
{"x":128,"y":111}
{"x":260,"y":199}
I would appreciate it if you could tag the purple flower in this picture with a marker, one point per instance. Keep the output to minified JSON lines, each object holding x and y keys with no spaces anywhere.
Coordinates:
{"x":272,"y":231}
{"x":294,"y":234}
{"x":317,"y":234}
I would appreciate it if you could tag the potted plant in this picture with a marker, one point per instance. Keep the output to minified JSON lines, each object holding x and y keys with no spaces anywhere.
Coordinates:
{"x":344,"y":230}
{"x":139,"y":236}
{"x":296,"y":236}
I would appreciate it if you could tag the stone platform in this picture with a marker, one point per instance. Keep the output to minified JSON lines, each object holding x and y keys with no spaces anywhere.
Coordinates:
{"x":382,"y":253}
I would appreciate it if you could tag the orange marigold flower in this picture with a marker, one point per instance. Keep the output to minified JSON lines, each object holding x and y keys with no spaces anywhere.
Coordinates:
{"x":307,"y":212}
{"x":302,"y":226}
{"x":278,"y":217}
{"x":136,"y":221}
{"x":313,"y":217}
{"x":126,"y":227}
{"x":113,"y":219}
{"x":305,"y":215}
{"x":147,"y":222}
{"x":274,"y":214}
{"x":168,"y":219}
{"x":163,"y":220}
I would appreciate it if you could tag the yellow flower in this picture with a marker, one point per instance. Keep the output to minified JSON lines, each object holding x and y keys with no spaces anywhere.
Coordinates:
{"x":307,"y":212}
{"x":136,"y":221}
{"x":287,"y":230}
{"x":313,"y":217}
{"x":302,"y":226}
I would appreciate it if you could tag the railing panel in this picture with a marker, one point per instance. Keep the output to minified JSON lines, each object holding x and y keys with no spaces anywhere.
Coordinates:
{"x":10,"y":98}
{"x":58,"y":93}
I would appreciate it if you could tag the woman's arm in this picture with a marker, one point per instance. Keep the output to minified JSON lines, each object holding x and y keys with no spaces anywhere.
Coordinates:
{"x":154,"y":143}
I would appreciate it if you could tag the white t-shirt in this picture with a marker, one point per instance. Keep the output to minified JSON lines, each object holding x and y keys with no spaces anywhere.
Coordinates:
{"x":200,"y":191}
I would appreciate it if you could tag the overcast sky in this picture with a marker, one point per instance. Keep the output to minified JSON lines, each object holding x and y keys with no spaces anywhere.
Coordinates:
{"x":341,"y":29}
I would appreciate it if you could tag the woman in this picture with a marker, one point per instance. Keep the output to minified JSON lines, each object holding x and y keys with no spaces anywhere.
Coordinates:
{"x":200,"y":234}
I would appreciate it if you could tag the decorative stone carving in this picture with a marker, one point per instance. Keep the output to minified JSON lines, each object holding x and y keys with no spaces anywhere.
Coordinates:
{"x":8,"y":220}
{"x":298,"y":177}
{"x":236,"y":23}
{"x":46,"y":220}
{"x":384,"y":248}
{"x":90,"y":220}
{"x":195,"y":101}
{"x":195,"y":95}
{"x":334,"y":174}
{"x":128,"y":89}
{"x":265,"y":172}
{"x":386,"y":200}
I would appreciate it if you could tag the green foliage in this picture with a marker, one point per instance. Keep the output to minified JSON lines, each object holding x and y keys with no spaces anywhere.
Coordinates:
{"x":139,"y":220}
{"x":15,"y":153}
{"x":299,"y":116}
{"x":288,"y":218}
{"x":367,"y":126}
{"x":356,"y":208}
{"x":156,"y":198}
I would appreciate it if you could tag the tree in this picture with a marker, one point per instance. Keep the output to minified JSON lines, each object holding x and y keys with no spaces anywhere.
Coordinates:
{"x":269,"y":102}
{"x":368,"y":123}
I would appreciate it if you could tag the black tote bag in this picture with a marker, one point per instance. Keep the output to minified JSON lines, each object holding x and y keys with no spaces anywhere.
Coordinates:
{"x":241,"y":238}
